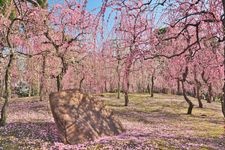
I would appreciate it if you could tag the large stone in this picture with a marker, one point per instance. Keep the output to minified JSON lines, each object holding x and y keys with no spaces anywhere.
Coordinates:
{"x":82,"y":118}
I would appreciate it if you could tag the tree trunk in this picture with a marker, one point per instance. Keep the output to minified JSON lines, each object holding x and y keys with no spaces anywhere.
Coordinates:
{"x":105,"y":86}
{"x":1,"y":88}
{"x":59,"y":82}
{"x":223,"y":108}
{"x":198,"y":96}
{"x":126,"y":93}
{"x":81,"y":82}
{"x":223,"y":99}
{"x":61,"y":74}
{"x":209,"y":85}
{"x":148,"y":88}
{"x":178,"y":87}
{"x":41,"y":88}
{"x":152,"y":86}
{"x":194,"y":92}
{"x":118,"y":87}
{"x":126,"y":98}
{"x":223,"y":103}
{"x":209,"y":98}
{"x":214,"y":98}
{"x":198,"y":87}
{"x":191,"y":105}
{"x":7,"y":90}
{"x":30,"y":91}
{"x":118,"y":75}
{"x":127,"y":84}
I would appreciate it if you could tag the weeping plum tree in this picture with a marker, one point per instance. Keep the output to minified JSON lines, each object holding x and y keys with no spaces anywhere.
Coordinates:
{"x":12,"y":19}
{"x":132,"y":28}
{"x":67,"y":45}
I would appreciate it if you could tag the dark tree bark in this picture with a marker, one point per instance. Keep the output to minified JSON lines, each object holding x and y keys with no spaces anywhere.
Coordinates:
{"x":118,"y":71}
{"x":178,"y":87}
{"x":42,"y":82}
{"x":152,"y":85}
{"x":105,"y":83}
{"x":81,"y":82}
{"x":148,"y":89}
{"x":7,"y":79}
{"x":200,"y":105}
{"x":209,"y":98}
{"x":191,"y":105}
{"x":209,"y":86}
{"x":118,"y":88}
{"x":59,"y":82}
{"x":127,"y":85}
{"x":126,"y":93}
{"x":1,"y":88}
{"x":194,"y":92}
{"x":7,"y":90}
{"x":223,"y":97}
{"x":30,"y":91}
{"x":214,"y":98}
{"x":198,"y":88}
{"x":223,"y":103}
{"x":61,"y":74}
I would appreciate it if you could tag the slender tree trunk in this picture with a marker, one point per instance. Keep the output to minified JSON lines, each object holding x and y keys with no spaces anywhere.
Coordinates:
{"x":209,"y":85}
{"x":118,"y":87}
{"x":178,"y":87}
{"x":42,"y":82}
{"x":148,"y":88}
{"x":59,"y":82}
{"x":223,"y":102}
{"x":105,"y":86}
{"x":61,"y":74}
{"x":198,"y":87}
{"x":191,"y":105}
{"x":118,"y":75}
{"x":127,"y":85}
{"x":7,"y":90}
{"x":126,"y":93}
{"x":194,"y":92}
{"x":1,"y":88}
{"x":198,"y":96}
{"x":152,"y":86}
{"x":223,"y":108}
{"x":30,"y":91}
{"x":209,"y":98}
{"x":223,"y":99}
{"x":214,"y":98}
{"x":81,"y":82}
{"x":126,"y":98}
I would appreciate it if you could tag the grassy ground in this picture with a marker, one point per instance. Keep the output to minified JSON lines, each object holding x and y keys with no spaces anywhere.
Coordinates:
{"x":151,"y":123}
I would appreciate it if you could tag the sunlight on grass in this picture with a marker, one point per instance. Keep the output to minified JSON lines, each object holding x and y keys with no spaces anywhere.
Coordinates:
{"x":205,"y":122}
{"x":160,"y":122}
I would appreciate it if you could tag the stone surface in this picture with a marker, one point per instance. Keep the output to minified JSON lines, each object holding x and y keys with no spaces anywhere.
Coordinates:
{"x":82,"y":118}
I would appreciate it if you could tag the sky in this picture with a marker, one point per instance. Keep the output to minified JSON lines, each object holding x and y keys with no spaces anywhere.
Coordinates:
{"x":92,"y":4}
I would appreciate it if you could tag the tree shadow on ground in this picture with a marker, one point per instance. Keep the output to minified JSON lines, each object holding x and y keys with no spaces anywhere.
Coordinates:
{"x":115,"y":105}
{"x":147,"y":117}
{"x":45,"y":131}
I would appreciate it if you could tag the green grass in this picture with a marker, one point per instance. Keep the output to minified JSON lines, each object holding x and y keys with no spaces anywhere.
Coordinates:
{"x":164,"y":116}
{"x":206,"y":122}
